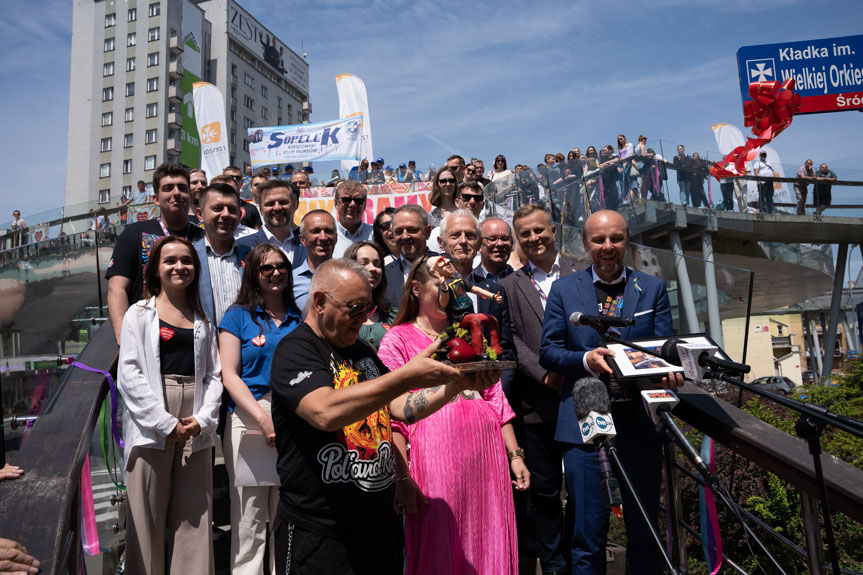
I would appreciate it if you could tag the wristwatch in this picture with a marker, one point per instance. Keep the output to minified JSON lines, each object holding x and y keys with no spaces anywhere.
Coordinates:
{"x":515,"y":454}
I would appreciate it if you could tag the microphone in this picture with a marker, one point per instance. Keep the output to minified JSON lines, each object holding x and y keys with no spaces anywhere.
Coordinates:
{"x":593,"y":410}
{"x":695,"y":358}
{"x":659,"y":403}
{"x":604,"y":321}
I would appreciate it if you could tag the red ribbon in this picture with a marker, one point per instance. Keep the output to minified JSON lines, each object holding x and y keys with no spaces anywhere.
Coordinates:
{"x":768,"y":113}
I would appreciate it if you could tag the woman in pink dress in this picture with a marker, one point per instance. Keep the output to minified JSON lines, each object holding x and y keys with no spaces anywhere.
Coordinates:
{"x":456,"y":495}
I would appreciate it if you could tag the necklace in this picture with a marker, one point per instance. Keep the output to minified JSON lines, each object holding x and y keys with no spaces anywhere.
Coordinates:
{"x":431,"y":334}
{"x":171,"y":306}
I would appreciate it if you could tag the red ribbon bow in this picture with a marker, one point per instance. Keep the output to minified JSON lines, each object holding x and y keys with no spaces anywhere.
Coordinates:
{"x":768,"y":113}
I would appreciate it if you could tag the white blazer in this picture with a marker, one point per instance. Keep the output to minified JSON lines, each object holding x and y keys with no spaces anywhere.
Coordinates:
{"x":139,"y":379}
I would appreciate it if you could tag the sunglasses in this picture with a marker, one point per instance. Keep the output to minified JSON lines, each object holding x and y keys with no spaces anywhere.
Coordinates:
{"x":267,"y":270}
{"x":356,"y":201}
{"x":445,"y":181}
{"x":385,"y":225}
{"x":357,"y":309}
{"x":468,"y":197}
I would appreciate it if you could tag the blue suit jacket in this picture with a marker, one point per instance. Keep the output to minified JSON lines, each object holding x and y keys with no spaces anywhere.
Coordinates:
{"x":564,"y":345}
{"x":205,"y":286}
{"x":260,"y":237}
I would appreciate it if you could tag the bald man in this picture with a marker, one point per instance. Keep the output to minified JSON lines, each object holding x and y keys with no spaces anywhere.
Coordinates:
{"x":608,"y":288}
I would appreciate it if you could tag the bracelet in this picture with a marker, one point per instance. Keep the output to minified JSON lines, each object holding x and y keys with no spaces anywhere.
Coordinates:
{"x":403,"y":477}
{"x":515,"y":454}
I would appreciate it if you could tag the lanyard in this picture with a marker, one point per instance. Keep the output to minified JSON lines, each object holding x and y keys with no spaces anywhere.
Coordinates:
{"x":536,"y":285}
{"x":165,"y":228}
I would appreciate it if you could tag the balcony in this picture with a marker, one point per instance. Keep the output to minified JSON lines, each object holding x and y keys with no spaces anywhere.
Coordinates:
{"x":175,"y":120}
{"x":175,"y":69}
{"x":307,"y":107}
{"x":175,"y":95}
{"x":174,"y":145}
{"x":175,"y":45}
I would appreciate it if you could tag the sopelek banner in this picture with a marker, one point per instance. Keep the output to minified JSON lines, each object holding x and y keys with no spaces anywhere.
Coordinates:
{"x":335,"y":140}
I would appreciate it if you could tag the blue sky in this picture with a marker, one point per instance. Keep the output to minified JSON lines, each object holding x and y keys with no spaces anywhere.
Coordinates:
{"x":477,"y":78}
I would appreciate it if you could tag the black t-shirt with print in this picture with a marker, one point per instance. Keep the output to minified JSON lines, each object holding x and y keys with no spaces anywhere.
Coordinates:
{"x":332,"y":483}
{"x":609,"y":301}
{"x":133,"y":250}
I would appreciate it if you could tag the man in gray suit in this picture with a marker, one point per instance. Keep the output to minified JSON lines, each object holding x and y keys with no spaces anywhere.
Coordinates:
{"x":536,"y":392}
{"x":279,"y":201}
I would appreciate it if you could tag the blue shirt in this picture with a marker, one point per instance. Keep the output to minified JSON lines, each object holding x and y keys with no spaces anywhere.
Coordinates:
{"x":302,"y":283}
{"x":256,"y":346}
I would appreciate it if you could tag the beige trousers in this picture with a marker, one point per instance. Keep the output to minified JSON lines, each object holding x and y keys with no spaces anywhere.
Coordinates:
{"x":170,"y":495}
{"x":252,"y":508}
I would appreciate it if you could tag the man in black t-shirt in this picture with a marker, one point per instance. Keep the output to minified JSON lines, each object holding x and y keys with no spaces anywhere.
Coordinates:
{"x":125,"y":273}
{"x":332,"y":403}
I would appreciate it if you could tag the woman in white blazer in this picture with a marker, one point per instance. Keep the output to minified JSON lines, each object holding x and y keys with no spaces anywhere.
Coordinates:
{"x":169,"y":377}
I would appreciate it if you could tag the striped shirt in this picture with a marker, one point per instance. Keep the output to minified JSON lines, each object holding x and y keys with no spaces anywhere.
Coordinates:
{"x":225,"y":278}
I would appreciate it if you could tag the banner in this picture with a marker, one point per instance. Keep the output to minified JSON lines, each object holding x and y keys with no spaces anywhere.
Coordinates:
{"x":192,"y":60}
{"x":374,"y":205}
{"x":38,"y":233}
{"x":142,"y":213}
{"x":354,"y":102}
{"x":212,"y":127}
{"x":335,"y":140}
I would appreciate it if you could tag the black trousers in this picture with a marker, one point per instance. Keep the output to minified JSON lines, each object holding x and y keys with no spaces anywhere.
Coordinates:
{"x":544,"y":457}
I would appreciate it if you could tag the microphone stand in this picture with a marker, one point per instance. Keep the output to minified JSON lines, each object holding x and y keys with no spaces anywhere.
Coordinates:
{"x":615,"y":458}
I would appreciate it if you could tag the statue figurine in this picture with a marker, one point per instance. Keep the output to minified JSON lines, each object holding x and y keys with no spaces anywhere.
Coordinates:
{"x":453,"y":289}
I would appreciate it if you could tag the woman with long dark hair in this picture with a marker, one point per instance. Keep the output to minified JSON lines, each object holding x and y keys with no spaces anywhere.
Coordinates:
{"x":382,"y":234}
{"x":499,"y":170}
{"x":168,"y":375}
{"x":250,"y":331}
{"x":371,"y":256}
{"x":442,"y":196}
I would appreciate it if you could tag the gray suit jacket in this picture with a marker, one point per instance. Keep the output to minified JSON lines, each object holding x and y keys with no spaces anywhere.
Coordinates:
{"x":530,"y":398}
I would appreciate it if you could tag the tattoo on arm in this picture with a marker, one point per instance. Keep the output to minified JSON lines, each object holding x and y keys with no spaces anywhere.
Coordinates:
{"x":410,"y":417}
{"x":434,"y":389}
{"x":421,"y":401}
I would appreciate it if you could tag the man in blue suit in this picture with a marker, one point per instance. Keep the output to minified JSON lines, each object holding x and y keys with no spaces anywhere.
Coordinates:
{"x":279,"y":201}
{"x":220,"y":255}
{"x":607,"y":288}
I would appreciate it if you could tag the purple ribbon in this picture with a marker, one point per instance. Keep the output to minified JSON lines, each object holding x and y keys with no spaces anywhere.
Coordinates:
{"x":113,"y":387}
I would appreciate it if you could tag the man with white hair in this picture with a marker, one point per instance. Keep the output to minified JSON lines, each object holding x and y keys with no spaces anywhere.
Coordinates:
{"x":332,"y":403}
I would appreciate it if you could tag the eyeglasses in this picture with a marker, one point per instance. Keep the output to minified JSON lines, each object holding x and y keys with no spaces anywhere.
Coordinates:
{"x":499,"y":161}
{"x":267,"y":270}
{"x":357,"y":309}
{"x":385,"y":225}
{"x":497,"y":239}
{"x":445,"y":181}
{"x":468,"y":197}
{"x":346,"y":201}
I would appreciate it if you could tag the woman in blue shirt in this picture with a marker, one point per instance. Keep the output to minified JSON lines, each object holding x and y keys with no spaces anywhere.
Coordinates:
{"x":251,"y":329}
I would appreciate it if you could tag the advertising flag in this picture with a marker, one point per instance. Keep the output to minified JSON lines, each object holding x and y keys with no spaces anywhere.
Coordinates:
{"x":335,"y":140}
{"x":212,"y":127}
{"x":353,"y":102}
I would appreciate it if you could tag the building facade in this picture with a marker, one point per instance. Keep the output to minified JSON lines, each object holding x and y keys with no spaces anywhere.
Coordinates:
{"x":133,"y":65}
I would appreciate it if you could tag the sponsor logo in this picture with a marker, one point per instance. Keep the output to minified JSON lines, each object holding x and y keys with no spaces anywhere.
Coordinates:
{"x":211,"y":133}
{"x":604,"y":423}
{"x":659,"y":395}
{"x":587,"y":426}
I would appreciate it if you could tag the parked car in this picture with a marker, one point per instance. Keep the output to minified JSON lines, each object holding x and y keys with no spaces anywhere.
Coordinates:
{"x":776,"y":384}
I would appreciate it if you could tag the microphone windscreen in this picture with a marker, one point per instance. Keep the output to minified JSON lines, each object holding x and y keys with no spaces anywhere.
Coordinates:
{"x":669,"y":350}
{"x":589,"y":394}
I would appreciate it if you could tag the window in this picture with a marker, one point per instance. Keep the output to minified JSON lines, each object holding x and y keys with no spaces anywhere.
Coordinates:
{"x":234,"y":70}
{"x":152,"y":84}
{"x":233,"y":136}
{"x":110,"y":20}
{"x":108,"y":119}
{"x":248,"y":80}
{"x":150,"y":136}
{"x":149,"y":162}
{"x":105,"y":170}
{"x":131,"y":39}
{"x":130,"y":114}
{"x":264,"y":112}
{"x":263,"y":91}
{"x":245,"y":145}
{"x":130,"y":64}
{"x":153,"y":34}
{"x":128,"y":140}
{"x":109,"y":44}
{"x":106,"y":145}
{"x":127,"y":191}
{"x":108,"y":69}
{"x":153,"y":59}
{"x":233,"y":114}
{"x":152,"y":110}
{"x":107,"y":94}
{"x":279,"y":102}
{"x":127,"y":166}
{"x":249,"y":102}
{"x":247,"y":123}
{"x":133,"y":14}
{"x":104,"y":196}
{"x":154,"y":9}
{"x":130,"y":88}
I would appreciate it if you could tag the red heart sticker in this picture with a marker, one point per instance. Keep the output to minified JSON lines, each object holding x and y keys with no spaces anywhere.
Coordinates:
{"x":259,"y":341}
{"x":166,"y":333}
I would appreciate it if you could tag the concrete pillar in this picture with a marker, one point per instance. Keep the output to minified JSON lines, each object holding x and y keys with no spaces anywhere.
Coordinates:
{"x":714,"y":322}
{"x":835,"y":304}
{"x":813,"y":329}
{"x":684,"y":288}
{"x":850,"y":333}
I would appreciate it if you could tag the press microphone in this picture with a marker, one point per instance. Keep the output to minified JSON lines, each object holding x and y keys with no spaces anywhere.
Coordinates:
{"x":696,"y":358}
{"x":659,"y":403}
{"x":578,"y":318}
{"x":593,"y":410}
